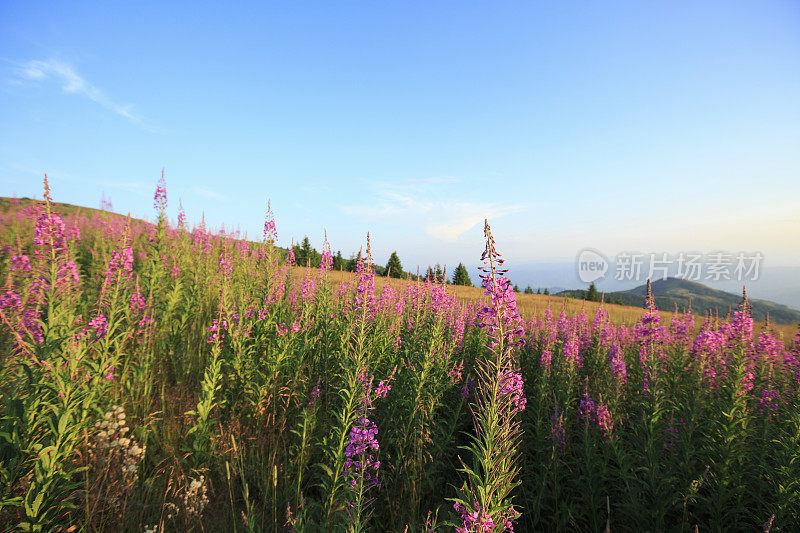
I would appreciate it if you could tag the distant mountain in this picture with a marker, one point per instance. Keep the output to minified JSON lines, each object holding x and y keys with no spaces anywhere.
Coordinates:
{"x":671,"y":291}
{"x":555,"y":290}
{"x":779,"y":283}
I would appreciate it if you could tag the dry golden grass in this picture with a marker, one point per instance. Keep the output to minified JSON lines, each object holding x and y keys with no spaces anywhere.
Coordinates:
{"x":533,"y":305}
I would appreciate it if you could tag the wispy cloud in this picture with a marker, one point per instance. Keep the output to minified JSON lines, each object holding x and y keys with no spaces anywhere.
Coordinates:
{"x":73,"y":83}
{"x":211,"y":195}
{"x":461,"y":217}
{"x":428,"y":202}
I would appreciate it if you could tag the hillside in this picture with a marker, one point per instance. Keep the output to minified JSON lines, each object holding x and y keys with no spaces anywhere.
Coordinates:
{"x":673,"y":291}
{"x":530,"y":305}
{"x":63,"y":209}
{"x":11,"y":205}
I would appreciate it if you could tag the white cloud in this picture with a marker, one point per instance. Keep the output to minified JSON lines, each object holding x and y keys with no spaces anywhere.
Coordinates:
{"x":428,"y":203}
{"x":460,"y":217}
{"x":73,"y":83}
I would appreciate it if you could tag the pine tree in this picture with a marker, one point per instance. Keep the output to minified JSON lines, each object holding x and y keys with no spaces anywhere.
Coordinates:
{"x":547,"y":291}
{"x":434,"y":273}
{"x":592,"y":295}
{"x":438,"y":275}
{"x":299,"y":258}
{"x":516,"y":288}
{"x":305,"y":254}
{"x":538,"y":291}
{"x":394,"y":268}
{"x":338,"y":261}
{"x":461,"y":276}
{"x":528,"y":290}
{"x":352,"y":263}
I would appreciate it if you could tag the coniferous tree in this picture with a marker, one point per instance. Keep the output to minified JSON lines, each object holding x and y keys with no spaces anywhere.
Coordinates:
{"x":305,"y":254}
{"x":546,"y":291}
{"x":538,"y":291}
{"x":338,"y":261}
{"x":299,"y":258}
{"x":352,"y":263}
{"x":434,"y":273}
{"x":592,"y":295}
{"x":438,"y":275}
{"x":516,"y":288}
{"x":305,"y":251}
{"x":461,"y":276}
{"x":297,"y":252}
{"x":394,"y":268}
{"x":528,"y":290}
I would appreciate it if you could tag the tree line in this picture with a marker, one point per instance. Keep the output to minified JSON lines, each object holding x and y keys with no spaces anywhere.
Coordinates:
{"x":306,"y":255}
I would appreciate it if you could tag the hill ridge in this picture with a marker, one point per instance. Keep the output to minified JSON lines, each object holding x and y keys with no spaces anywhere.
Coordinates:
{"x":701,"y":298}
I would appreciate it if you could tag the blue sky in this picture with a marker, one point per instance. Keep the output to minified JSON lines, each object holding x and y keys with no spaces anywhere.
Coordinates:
{"x":652,"y":126}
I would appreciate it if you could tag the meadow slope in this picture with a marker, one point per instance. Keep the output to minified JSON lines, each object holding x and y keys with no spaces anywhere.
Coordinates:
{"x":156,"y":377}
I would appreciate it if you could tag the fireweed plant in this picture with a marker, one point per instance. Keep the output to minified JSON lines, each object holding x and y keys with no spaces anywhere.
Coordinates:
{"x":166,"y":377}
{"x":484,"y":502}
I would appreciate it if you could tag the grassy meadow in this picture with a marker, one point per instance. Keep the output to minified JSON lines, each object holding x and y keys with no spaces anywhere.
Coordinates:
{"x":156,"y":377}
{"x":534,"y":305}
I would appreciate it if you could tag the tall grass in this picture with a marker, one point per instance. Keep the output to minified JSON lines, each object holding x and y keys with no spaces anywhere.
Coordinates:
{"x":162,"y":378}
